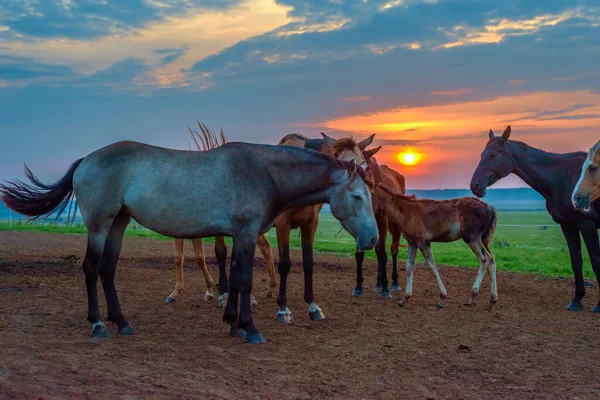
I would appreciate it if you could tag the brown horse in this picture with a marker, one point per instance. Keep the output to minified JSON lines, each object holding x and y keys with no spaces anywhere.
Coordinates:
{"x":307,"y":219}
{"x":587,"y":189}
{"x":427,"y":221}
{"x":205,"y":140}
{"x":384,"y":175}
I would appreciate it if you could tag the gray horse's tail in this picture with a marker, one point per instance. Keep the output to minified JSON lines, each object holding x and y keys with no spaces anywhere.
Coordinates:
{"x":37,"y":199}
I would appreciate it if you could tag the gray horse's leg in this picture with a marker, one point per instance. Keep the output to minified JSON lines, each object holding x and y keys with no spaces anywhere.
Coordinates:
{"x":231,"y":309}
{"x":91,"y":266}
{"x":308,"y":237}
{"x":108,"y":267}
{"x":244,"y":255}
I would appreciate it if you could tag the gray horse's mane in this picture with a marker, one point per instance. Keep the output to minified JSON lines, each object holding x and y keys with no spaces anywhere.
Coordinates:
{"x":207,"y":138}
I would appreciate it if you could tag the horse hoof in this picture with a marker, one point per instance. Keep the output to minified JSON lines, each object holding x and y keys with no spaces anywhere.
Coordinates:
{"x":596,"y":308}
{"x":222,"y":300}
{"x":284,"y":317}
{"x":208,"y":296}
{"x":99,"y":330}
{"x":357,"y":293}
{"x":253,"y":301}
{"x":237,"y":333}
{"x":255,"y":338}
{"x":377,"y":289}
{"x":575,"y":305}
{"x":439,"y":306}
{"x":385,"y":295}
{"x":400,"y":304}
{"x":127,"y":331}
{"x":315,"y":313}
{"x":169,"y":300}
{"x":396,"y":288}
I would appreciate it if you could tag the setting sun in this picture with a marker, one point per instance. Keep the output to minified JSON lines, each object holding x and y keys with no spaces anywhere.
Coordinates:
{"x":409,"y":158}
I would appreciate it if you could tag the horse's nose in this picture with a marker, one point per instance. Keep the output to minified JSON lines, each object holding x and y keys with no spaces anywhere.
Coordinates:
{"x":474,"y":187}
{"x":577,"y":199}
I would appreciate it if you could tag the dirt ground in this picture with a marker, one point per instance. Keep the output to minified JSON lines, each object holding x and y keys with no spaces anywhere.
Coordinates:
{"x":529,"y":347}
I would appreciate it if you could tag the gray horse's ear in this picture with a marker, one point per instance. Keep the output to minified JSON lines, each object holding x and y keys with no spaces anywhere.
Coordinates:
{"x":491,"y":134}
{"x":506,"y":134}
{"x":370,"y":153}
{"x":328,"y":140}
{"x":352,"y":168}
{"x":366,"y":143}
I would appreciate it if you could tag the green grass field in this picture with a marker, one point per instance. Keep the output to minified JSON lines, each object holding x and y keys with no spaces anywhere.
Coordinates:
{"x":539,"y":249}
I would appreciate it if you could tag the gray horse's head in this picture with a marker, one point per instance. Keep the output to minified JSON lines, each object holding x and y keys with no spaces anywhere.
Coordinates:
{"x":350,"y":203}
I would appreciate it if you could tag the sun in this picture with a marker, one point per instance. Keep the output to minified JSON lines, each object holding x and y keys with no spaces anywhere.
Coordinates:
{"x":409,"y":158}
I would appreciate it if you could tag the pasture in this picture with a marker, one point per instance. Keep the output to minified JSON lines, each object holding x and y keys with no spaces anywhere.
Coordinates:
{"x":529,"y":347}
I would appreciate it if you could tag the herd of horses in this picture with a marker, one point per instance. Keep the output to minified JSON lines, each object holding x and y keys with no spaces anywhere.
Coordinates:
{"x":242,"y":190}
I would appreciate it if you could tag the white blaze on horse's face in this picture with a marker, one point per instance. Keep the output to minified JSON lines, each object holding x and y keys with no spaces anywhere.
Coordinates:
{"x":350,"y":203}
{"x":587,"y":188}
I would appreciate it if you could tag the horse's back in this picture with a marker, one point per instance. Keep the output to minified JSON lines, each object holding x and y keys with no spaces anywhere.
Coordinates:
{"x":393,"y":179}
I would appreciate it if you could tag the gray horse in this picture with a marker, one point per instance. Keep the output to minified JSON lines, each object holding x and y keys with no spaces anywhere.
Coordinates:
{"x":235,"y":190}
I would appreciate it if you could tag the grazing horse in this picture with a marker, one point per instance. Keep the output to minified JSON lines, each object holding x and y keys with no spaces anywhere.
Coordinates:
{"x":587,"y":188}
{"x":207,"y":139}
{"x":307,"y":219}
{"x":239,"y":189}
{"x":554,"y":177}
{"x":426,"y":221}
{"x":382,"y":174}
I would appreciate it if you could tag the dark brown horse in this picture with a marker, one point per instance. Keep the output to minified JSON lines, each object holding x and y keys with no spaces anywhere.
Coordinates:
{"x":384,"y":175}
{"x":426,"y":221}
{"x":554,"y":177}
{"x":307,"y":219}
{"x":239,"y":190}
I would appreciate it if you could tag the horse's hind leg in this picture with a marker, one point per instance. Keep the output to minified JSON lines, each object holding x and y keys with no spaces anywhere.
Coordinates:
{"x":410,"y":272}
{"x":283,"y":229}
{"x":199,"y":255}
{"x":91,"y":266}
{"x":265,"y":249}
{"x":221,"y":254}
{"x":308,"y":232}
{"x":428,"y":254}
{"x":178,"y":256}
{"x":484,"y":261}
{"x":394,"y":247}
{"x":494,"y":285}
{"x":108,"y":267}
{"x":231,"y":309}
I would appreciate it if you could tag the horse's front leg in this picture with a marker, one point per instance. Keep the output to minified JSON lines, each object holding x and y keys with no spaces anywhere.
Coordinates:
{"x":394,"y":247}
{"x":359,"y":255}
{"x":573,"y":239}
{"x":410,"y":272}
{"x":308,"y":232}
{"x":380,"y":251}
{"x":244,"y":259}
{"x":590,"y":237}
{"x":231,"y":309}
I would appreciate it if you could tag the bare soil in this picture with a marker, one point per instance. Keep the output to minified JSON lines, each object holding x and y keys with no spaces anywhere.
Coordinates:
{"x":529,"y":347}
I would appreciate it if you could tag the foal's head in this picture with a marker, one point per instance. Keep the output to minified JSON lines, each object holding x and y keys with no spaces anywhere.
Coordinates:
{"x":588,"y":186}
{"x":496,"y":163}
{"x":347,"y":149}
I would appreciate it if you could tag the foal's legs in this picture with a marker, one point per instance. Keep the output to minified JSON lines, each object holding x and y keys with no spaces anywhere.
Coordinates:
{"x":308,"y":232}
{"x":221,"y":254}
{"x":199,"y":254}
{"x":571,"y":233}
{"x":484,"y":262}
{"x":494,"y":285}
{"x":178,"y":255}
{"x":590,"y":237}
{"x":428,"y":254}
{"x":359,"y":255}
{"x":394,"y":247}
{"x":410,"y":271}
{"x":108,"y":267}
{"x":265,"y":249}
{"x":283,"y":230}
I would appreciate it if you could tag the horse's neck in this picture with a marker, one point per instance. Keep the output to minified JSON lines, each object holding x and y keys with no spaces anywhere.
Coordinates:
{"x":400,"y":209}
{"x":304,"y":183}
{"x":539,"y":169}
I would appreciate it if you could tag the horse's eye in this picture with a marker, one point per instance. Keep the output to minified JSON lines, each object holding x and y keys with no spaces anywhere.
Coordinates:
{"x":357,"y":197}
{"x":493,"y":155}
{"x":592,"y":168}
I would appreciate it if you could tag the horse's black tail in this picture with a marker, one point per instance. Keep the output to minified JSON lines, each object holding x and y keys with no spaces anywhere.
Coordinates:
{"x":39,"y":200}
{"x":488,"y":234}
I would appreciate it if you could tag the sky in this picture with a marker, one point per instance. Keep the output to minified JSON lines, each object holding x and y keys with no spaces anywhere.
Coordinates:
{"x":425,"y":76}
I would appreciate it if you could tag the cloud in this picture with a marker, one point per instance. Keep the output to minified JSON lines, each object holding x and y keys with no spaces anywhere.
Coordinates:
{"x":576,"y":77}
{"x":357,"y":98}
{"x":452,"y":92}
{"x":517,"y":81}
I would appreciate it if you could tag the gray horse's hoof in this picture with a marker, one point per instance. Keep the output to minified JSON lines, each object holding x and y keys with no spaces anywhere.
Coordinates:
{"x":236,"y":333}
{"x":284,"y":317}
{"x":575,"y":305}
{"x":357,"y":293}
{"x":596,"y":308}
{"x":400,"y":304}
{"x":439,"y":306}
{"x":255,"y":338}
{"x":99,"y":330}
{"x":169,"y":300}
{"x":315,"y":313}
{"x":377,"y":289}
{"x":385,"y":295}
{"x":253,"y":301}
{"x":396,"y":288}
{"x":222,"y":302}
{"x":127,"y":331}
